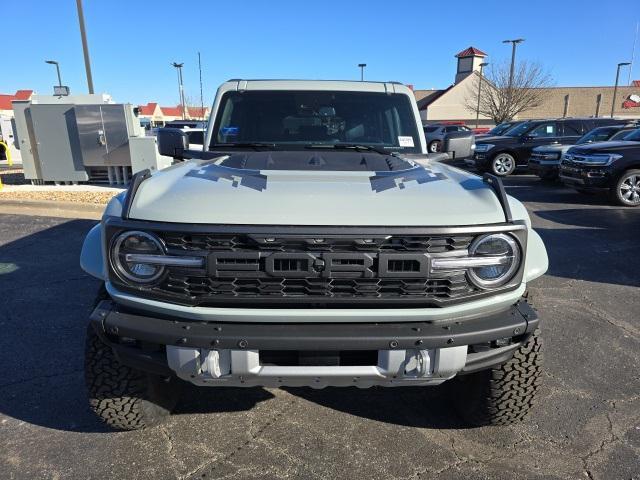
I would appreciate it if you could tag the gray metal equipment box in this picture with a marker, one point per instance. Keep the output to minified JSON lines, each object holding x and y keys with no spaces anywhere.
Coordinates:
{"x":53,"y":131}
{"x":103,"y":135}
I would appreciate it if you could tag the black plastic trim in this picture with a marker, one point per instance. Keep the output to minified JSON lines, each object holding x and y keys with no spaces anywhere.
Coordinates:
{"x":495,"y":356}
{"x":313,"y":230}
{"x":496,"y":184}
{"x":136,"y":180}
{"x":115,"y":320}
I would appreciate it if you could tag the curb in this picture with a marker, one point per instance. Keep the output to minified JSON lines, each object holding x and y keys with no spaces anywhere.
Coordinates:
{"x":52,"y":208}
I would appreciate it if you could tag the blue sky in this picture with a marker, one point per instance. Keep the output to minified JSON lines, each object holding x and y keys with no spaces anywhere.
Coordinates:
{"x":133,"y":42}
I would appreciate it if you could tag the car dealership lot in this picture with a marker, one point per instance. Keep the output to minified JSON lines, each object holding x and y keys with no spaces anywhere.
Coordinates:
{"x":586,"y":425}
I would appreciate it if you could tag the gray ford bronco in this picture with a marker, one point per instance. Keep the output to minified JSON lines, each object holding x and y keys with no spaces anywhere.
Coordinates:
{"x":312,"y":242}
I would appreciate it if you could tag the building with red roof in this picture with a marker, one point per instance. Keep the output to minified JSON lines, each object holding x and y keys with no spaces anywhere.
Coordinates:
{"x":5,"y":100}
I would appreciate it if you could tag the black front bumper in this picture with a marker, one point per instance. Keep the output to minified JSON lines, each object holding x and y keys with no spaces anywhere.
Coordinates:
{"x":586,"y":177}
{"x":139,"y":339}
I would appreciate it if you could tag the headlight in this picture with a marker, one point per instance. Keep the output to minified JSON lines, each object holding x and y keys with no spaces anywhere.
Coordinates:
{"x":550,"y":156}
{"x":484,"y":147}
{"x":125,"y":253}
{"x":500,"y":249}
{"x":601,"y":159}
{"x":492,"y":261}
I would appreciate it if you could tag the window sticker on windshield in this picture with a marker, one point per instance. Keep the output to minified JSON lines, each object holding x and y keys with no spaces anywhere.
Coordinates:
{"x":230,"y":131}
{"x":405,"y":141}
{"x":549,"y":128}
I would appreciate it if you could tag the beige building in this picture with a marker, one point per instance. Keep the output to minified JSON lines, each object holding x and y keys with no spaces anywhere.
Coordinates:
{"x":449,"y":104}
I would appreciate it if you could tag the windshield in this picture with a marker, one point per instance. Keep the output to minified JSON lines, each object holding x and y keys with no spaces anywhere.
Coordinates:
{"x":623,"y":134}
{"x":500,"y":129}
{"x":601,"y":134}
{"x":293,"y":120}
{"x":520,"y":129}
{"x":633,"y":136}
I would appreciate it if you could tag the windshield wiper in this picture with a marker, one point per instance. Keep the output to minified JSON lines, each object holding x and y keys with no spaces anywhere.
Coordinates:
{"x":350,"y":146}
{"x":255,"y":145}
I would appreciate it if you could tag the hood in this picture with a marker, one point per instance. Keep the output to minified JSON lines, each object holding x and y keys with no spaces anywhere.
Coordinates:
{"x":606,"y":147}
{"x":404,"y":192}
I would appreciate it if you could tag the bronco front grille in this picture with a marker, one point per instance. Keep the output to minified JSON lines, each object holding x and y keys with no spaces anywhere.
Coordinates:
{"x":373,"y":243}
{"x":314,"y":270}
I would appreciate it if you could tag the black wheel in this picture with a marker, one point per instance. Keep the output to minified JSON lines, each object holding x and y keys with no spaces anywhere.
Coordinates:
{"x":503,"y":164}
{"x":124,"y":398}
{"x":626,"y":192}
{"x":502,"y":395}
{"x":435,"y":146}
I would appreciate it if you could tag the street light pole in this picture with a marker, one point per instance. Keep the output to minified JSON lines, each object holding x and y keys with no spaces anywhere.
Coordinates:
{"x":482,"y":65}
{"x":615,"y":89}
{"x":362,"y":65}
{"x":513,"y":43}
{"x":180,"y":87}
{"x":85,"y":48}
{"x":53,"y":62}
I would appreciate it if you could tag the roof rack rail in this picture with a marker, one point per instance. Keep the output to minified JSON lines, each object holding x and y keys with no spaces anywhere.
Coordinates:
{"x":498,"y":188}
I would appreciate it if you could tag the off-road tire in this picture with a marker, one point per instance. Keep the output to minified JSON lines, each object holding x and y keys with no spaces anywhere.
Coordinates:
{"x":502,"y":395}
{"x":123,"y":397}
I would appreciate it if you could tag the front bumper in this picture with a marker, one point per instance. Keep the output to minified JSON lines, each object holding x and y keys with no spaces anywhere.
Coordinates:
{"x":231,"y":354}
{"x":594,"y":178}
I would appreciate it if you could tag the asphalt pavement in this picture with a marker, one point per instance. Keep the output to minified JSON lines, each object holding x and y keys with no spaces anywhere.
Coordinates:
{"x":586,"y":424}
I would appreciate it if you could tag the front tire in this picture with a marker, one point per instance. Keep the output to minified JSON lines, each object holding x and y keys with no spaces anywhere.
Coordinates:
{"x":503,"y":164}
{"x":626,"y":191}
{"x":435,"y":146}
{"x":124,"y":398}
{"x":502,"y":395}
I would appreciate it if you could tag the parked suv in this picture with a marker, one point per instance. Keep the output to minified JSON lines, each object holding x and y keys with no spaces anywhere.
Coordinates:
{"x":501,"y":155}
{"x":434,"y":134}
{"x":312,"y":243}
{"x":612,"y":167}
{"x":545,"y":160}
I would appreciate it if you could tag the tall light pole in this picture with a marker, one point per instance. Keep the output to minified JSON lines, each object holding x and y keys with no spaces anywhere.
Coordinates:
{"x":615,"y":89}
{"x":482,"y":65}
{"x":513,"y":43}
{"x":85,"y":48}
{"x":53,"y":62}
{"x":181,"y":88}
{"x":362,"y":65}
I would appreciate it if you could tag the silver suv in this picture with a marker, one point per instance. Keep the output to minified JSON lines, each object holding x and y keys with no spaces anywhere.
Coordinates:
{"x":434,"y":134}
{"x":312,"y":243}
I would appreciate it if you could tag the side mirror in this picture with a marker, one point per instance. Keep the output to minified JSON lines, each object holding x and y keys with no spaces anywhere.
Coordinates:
{"x":172,"y":142}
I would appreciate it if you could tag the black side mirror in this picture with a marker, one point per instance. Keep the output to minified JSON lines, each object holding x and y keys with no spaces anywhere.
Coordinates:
{"x":172,"y":142}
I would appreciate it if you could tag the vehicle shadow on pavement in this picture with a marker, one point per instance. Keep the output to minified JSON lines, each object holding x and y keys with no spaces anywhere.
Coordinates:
{"x":422,"y":407}
{"x":45,"y":302}
{"x":599,"y":245}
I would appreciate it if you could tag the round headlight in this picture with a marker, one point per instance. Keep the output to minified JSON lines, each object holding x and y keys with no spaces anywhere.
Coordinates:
{"x":135,"y":242}
{"x":507,"y":253}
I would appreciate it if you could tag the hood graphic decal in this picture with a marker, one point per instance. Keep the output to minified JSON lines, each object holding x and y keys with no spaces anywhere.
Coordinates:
{"x":247,"y":178}
{"x":382,"y":181}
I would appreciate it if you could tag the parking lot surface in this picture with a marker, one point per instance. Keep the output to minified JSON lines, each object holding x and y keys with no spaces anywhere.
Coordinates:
{"x":586,"y":424}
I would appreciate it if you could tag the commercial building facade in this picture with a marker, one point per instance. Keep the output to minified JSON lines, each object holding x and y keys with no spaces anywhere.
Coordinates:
{"x":450,"y":104}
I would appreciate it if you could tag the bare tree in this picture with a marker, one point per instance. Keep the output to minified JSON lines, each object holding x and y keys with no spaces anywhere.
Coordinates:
{"x":502,"y":101}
